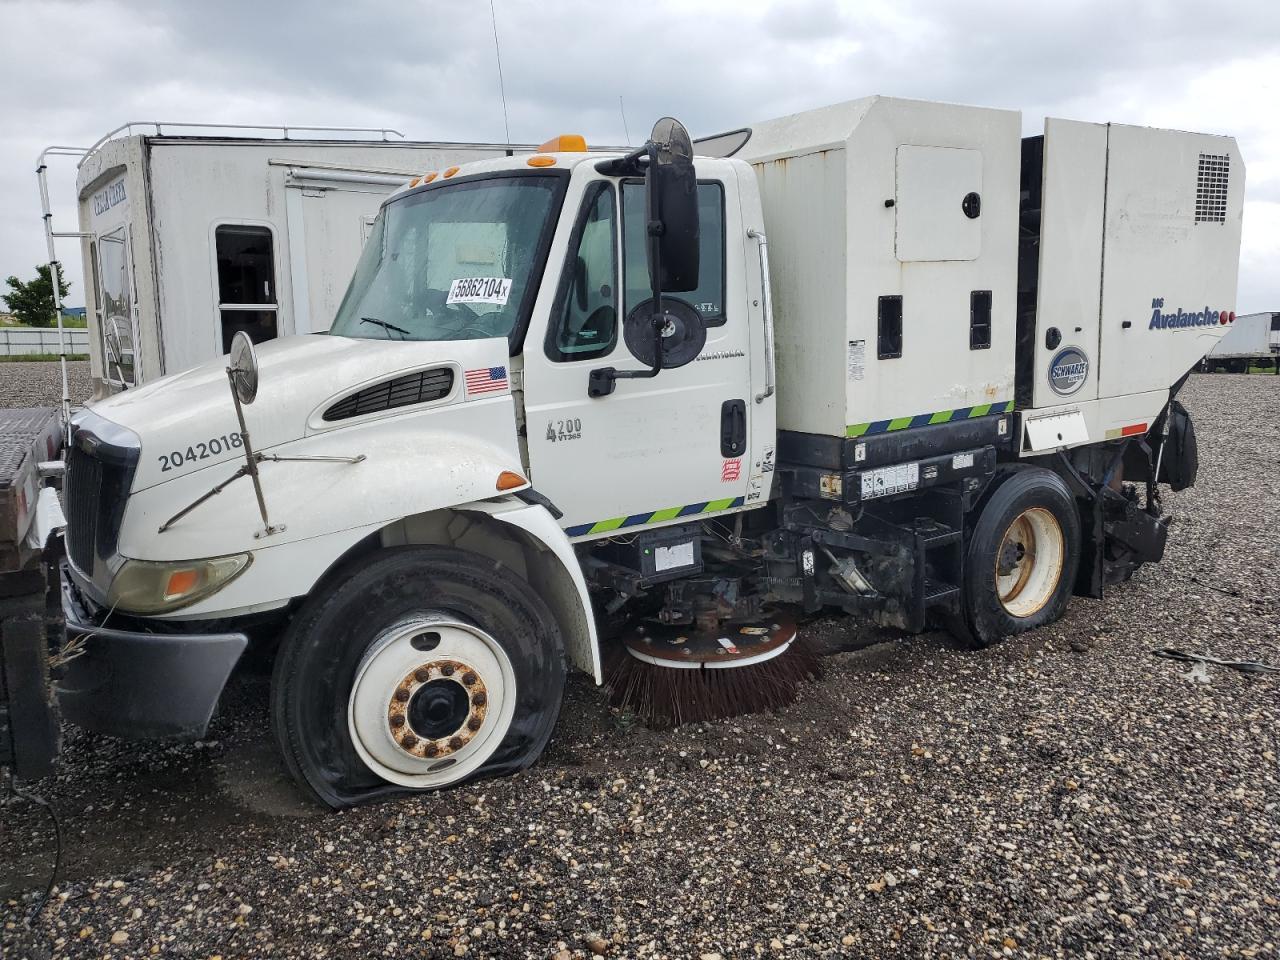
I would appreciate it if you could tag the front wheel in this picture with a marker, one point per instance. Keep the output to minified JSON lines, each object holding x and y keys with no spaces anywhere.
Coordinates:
{"x":1022,"y":558}
{"x":423,"y":668}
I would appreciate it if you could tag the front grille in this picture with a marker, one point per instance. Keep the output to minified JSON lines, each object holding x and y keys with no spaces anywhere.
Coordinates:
{"x":83,"y":491}
{"x":421,"y":387}
{"x":101,"y":461}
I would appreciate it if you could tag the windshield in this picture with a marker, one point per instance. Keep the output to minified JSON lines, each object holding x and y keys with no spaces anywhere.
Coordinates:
{"x":455,"y":262}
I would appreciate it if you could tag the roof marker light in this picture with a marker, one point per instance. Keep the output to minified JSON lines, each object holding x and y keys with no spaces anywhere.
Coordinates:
{"x":540,"y":161}
{"x":427,"y":178}
{"x":450,"y":172}
{"x":414,"y":181}
{"x":565,"y":143}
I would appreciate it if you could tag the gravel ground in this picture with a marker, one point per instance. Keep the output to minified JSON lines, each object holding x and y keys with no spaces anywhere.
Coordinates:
{"x":39,"y":383}
{"x":1064,"y":794}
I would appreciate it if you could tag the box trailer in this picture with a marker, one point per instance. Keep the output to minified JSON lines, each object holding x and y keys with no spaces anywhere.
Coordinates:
{"x":1253,"y":340}
{"x":191,"y":232}
{"x":640,"y":413}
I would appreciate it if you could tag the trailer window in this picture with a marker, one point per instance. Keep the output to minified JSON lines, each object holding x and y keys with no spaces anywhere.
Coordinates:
{"x":115,"y":310}
{"x":708,"y":299}
{"x":586,"y":306}
{"x":246,"y":282}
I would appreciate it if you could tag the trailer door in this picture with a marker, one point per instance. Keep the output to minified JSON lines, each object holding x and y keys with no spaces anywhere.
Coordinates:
{"x":328,"y":225}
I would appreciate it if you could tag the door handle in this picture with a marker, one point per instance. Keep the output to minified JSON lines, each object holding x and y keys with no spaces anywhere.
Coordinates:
{"x":733,"y":428}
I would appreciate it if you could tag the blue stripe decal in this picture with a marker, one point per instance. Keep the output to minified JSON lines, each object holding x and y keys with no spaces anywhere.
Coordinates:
{"x":693,"y":508}
{"x":579,"y":530}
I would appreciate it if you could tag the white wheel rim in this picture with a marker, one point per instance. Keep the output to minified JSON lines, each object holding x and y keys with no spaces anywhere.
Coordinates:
{"x":406,"y":698}
{"x":1029,"y":561}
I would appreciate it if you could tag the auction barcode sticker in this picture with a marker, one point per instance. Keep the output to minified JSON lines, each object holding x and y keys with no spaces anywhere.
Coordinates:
{"x":480,"y":290}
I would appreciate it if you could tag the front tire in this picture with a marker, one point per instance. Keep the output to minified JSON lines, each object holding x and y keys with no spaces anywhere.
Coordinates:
{"x":1022,"y":558}
{"x":423,"y":668}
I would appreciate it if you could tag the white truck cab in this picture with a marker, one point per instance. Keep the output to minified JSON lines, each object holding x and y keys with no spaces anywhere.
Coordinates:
{"x":553,"y":421}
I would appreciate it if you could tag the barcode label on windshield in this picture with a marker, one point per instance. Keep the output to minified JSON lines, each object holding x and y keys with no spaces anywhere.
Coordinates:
{"x":480,"y":290}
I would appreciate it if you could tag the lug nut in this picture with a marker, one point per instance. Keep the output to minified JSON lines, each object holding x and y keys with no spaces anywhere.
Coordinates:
{"x":455,"y":743}
{"x":447,"y":669}
{"x":431,"y":750}
{"x":397,"y":721}
{"x":480,"y":699}
{"x":402,"y":695}
{"x":408,"y":741}
{"x":473,"y":724}
{"x":469,"y":678}
{"x":422,"y":674}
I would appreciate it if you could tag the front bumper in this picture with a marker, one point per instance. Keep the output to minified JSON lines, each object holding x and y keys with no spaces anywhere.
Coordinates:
{"x":141,"y":685}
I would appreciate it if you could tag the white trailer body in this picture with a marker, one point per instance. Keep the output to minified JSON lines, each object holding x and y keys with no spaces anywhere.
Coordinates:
{"x":1253,"y":338}
{"x":550,"y":394}
{"x":194,"y":237}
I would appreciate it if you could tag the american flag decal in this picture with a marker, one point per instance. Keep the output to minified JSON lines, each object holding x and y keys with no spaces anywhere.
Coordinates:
{"x":486,"y":380}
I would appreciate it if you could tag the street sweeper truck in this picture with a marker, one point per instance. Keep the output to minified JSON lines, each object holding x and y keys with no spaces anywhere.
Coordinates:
{"x":640,"y":414}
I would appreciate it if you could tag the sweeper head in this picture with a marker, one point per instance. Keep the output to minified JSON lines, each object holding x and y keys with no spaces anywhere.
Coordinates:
{"x":669,"y":675}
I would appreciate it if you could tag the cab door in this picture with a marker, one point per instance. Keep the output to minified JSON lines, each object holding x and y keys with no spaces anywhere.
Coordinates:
{"x":655,"y":451}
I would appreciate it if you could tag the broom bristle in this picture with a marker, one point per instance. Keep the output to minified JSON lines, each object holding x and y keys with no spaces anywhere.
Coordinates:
{"x":671,"y":696}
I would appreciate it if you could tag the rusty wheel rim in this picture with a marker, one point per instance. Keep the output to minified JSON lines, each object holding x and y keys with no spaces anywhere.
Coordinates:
{"x":431,"y":701}
{"x":1029,"y":562}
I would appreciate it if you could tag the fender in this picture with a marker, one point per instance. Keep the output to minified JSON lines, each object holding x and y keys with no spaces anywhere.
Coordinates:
{"x":558,"y":579}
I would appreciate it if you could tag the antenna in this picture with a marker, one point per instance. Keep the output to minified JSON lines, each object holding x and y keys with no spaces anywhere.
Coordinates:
{"x":506,"y":125}
{"x":623,"y":111}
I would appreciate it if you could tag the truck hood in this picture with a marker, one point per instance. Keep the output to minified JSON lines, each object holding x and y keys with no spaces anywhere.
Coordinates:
{"x":187,"y":421}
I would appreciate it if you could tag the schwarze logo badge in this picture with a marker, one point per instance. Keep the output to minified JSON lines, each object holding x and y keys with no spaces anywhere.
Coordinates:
{"x":1068,"y":371}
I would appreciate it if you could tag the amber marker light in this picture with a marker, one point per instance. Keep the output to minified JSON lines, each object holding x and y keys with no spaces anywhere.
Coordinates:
{"x":565,"y":143}
{"x":450,"y":172}
{"x":509,"y":481}
{"x":181,"y":582}
{"x":430,"y":176}
{"x":541,"y":161}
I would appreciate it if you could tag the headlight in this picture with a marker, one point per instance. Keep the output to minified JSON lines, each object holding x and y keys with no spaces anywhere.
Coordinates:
{"x":142,"y":586}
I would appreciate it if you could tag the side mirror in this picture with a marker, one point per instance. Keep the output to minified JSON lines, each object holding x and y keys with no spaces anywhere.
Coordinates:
{"x":671,"y":195}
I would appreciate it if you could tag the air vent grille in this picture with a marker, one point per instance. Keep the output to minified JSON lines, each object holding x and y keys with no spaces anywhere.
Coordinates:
{"x":1211,"y":188}
{"x":421,"y":387}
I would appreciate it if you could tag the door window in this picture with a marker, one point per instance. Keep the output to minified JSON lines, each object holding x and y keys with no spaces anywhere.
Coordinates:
{"x":246,"y":282}
{"x":708,"y":299}
{"x":116,"y":308}
{"x":586,"y":306}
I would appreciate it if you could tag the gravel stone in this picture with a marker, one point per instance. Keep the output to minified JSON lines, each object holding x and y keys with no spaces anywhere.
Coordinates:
{"x":38,"y":383}
{"x":1064,"y":794}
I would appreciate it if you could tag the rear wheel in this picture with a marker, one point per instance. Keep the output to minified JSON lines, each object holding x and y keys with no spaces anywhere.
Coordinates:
{"x":424,"y":668}
{"x":1022,"y":559}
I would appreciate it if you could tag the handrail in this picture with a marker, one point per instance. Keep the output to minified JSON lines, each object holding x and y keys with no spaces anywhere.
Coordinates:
{"x":55,"y":268}
{"x":283,"y":128}
{"x":766,"y":298}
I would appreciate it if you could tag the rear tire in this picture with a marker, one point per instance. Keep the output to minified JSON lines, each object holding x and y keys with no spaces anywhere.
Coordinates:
{"x":1022,"y":559}
{"x":423,"y":668}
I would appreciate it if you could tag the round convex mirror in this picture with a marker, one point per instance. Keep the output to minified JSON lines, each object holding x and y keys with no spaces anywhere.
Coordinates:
{"x":242,"y":367}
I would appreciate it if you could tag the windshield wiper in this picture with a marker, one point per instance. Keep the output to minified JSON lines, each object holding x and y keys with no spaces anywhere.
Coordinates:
{"x":386,"y":326}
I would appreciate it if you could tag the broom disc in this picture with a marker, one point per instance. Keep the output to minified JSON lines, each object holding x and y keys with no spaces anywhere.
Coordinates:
{"x":668,"y":675}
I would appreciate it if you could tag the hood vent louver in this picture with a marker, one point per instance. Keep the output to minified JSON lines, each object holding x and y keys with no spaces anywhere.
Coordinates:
{"x":414,"y":388}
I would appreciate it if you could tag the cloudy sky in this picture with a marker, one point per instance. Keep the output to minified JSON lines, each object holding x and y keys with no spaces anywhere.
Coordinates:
{"x":70,"y":71}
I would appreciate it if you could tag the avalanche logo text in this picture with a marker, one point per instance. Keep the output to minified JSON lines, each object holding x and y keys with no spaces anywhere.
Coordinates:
{"x":1179,"y":319}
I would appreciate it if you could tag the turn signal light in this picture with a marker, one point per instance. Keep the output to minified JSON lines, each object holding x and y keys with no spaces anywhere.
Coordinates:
{"x":509,"y":481}
{"x":565,"y":143}
{"x":181,"y":582}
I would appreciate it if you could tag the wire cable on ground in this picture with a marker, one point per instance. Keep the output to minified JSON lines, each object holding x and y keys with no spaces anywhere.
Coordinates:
{"x":1244,"y":666}
{"x":57,"y":839}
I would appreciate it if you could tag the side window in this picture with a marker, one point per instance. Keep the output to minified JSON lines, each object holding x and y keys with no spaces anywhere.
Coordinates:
{"x":585,"y":316}
{"x":246,"y":282}
{"x":708,"y":299}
